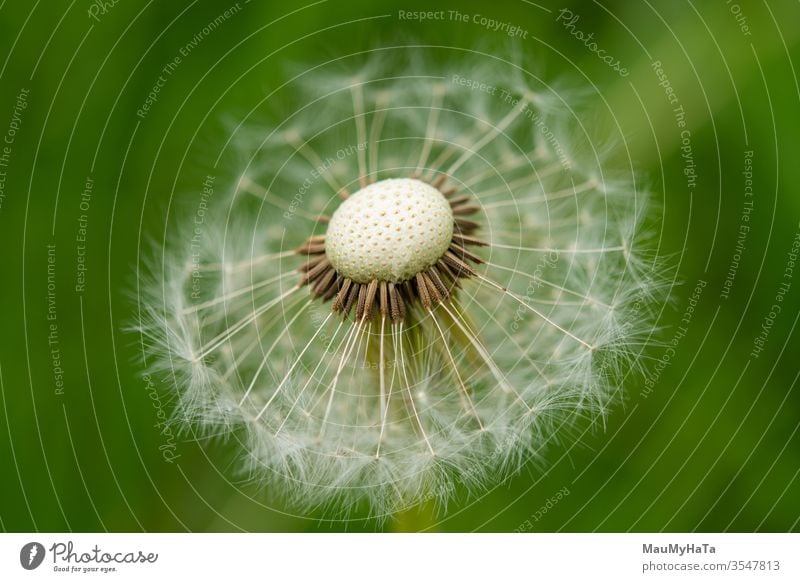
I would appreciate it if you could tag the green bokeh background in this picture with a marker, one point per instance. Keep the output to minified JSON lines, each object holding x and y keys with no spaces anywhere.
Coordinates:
{"x":714,"y":447}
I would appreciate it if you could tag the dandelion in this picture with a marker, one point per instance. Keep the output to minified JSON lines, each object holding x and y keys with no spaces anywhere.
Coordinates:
{"x":413,"y":286}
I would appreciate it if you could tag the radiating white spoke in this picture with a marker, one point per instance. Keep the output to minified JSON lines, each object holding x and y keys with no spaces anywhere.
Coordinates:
{"x":357,"y":92}
{"x":526,"y":180}
{"x":382,"y":371}
{"x":379,"y":117}
{"x":534,"y":310}
{"x":430,"y":130}
{"x":268,"y":353}
{"x":410,"y":395}
{"x":313,"y":374}
{"x":224,"y":298}
{"x":464,"y":390}
{"x":385,"y":414}
{"x":490,"y":135}
{"x":247,"y":185}
{"x":550,"y":284}
{"x":332,"y":386}
{"x":230,"y":332}
{"x":558,"y":194}
{"x":576,"y":251}
{"x":252,"y":345}
{"x":485,"y":355}
{"x":522,"y":351}
{"x":513,"y":163}
{"x":289,"y":373}
{"x":313,"y":158}
{"x":241,"y":265}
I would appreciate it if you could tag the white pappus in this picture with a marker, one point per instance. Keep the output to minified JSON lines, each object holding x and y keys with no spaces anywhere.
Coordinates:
{"x":412,"y":285}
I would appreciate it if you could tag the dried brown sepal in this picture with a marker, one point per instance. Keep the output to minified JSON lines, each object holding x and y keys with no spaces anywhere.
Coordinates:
{"x":459,"y":200}
{"x":465,"y":210}
{"x":311,"y":263}
{"x":464,"y":226}
{"x":433,"y":292}
{"x":433,"y":273}
{"x":458,"y":265}
{"x":311,"y":249}
{"x":324,"y":284}
{"x":464,"y":254}
{"x":463,"y":240}
{"x":398,"y":308}
{"x":341,"y":298}
{"x":316,"y":272}
{"x":333,"y":289}
{"x":351,"y":298}
{"x":449,"y":191}
{"x":369,"y":303}
{"x":394,"y":310}
{"x":362,"y":301}
{"x":422,"y":291}
{"x":445,"y":269}
{"x":383,"y":299}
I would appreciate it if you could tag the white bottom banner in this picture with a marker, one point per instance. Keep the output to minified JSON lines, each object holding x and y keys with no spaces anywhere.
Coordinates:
{"x":402,"y":557}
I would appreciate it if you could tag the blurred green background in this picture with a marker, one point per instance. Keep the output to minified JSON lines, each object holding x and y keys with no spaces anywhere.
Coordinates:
{"x":714,"y":446}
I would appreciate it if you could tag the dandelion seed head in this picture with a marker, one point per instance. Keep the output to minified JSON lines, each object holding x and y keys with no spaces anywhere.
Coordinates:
{"x":481,"y":288}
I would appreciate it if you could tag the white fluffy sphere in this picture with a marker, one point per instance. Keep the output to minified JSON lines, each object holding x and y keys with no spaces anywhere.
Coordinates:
{"x":390,"y":231}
